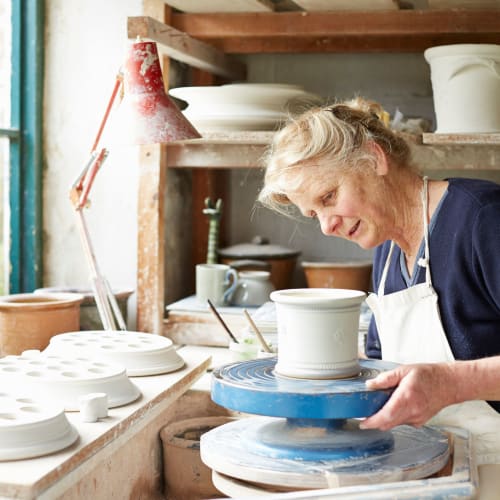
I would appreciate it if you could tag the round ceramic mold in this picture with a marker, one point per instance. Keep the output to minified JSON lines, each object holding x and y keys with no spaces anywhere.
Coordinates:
{"x":63,"y":379}
{"x":140,"y":353}
{"x":29,"y":428}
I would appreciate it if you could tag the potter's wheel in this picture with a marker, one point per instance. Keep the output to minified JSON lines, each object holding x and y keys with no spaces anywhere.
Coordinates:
{"x":318,"y":443}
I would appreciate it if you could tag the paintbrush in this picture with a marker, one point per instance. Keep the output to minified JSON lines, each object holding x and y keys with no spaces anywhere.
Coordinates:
{"x":221,"y":321}
{"x":262,"y":341}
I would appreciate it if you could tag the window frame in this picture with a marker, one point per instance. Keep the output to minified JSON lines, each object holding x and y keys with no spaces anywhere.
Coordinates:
{"x":25,"y":223}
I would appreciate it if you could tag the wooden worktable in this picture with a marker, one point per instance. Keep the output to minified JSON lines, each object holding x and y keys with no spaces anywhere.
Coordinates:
{"x":116,"y":457}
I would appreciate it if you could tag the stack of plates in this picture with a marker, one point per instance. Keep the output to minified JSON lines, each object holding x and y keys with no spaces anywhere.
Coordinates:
{"x":140,"y":354}
{"x":63,"y":380}
{"x":242,"y":106}
{"x":30,"y":428}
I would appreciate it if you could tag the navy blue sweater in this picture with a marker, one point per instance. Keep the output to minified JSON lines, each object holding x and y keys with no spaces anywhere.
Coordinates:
{"x":464,"y":251}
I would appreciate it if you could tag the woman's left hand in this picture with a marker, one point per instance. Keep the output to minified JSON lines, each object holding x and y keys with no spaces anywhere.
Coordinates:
{"x":421,"y":390}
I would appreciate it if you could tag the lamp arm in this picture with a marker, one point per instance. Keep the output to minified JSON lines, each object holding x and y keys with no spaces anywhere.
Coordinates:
{"x":106,"y":303}
{"x":118,"y":84}
{"x":98,"y":281}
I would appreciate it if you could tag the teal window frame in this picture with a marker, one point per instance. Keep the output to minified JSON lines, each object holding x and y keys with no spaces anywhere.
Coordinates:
{"x":26,"y":146}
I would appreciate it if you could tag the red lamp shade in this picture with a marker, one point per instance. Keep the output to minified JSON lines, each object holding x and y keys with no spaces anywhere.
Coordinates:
{"x":151,"y":115}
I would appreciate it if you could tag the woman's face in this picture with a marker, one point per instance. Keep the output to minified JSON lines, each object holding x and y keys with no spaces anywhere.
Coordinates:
{"x":351,"y":206}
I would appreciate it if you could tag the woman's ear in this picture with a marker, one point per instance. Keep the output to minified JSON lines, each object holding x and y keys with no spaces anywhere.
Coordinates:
{"x":382,"y":165}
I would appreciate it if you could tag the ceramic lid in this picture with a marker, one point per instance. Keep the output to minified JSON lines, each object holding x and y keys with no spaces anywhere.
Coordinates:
{"x":140,"y":353}
{"x":258,"y":248}
{"x":63,"y":379}
{"x":30,"y":427}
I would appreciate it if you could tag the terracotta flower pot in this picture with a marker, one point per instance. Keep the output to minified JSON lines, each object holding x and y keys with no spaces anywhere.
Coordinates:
{"x":355,"y":275}
{"x":28,"y":321}
{"x":186,"y":476}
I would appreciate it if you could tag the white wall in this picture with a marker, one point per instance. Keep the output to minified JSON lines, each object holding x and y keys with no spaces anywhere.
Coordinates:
{"x":85,"y":47}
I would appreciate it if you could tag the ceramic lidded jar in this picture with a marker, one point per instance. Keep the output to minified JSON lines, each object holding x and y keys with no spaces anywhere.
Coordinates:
{"x":318,"y":332}
{"x":261,"y":254}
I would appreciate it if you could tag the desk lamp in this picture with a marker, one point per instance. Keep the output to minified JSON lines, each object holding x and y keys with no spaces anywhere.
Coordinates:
{"x":150,"y":117}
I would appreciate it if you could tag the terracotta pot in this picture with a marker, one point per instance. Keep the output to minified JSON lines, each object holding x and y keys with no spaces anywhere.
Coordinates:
{"x":89,"y":315}
{"x":28,"y":321}
{"x":186,"y":476}
{"x":355,"y":275}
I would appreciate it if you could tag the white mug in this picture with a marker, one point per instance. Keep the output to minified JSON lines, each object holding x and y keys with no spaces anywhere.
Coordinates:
{"x":215,"y":282}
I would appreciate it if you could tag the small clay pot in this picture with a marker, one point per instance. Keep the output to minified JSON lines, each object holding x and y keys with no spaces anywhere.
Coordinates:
{"x":186,"y":476}
{"x":353,"y":275}
{"x":89,"y":315}
{"x":28,"y":321}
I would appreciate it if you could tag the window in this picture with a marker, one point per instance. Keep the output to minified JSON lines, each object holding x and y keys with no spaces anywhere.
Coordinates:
{"x":21,"y":51}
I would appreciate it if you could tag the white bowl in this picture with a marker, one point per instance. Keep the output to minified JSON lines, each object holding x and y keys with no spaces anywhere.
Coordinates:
{"x":139,"y":353}
{"x":241,"y":106}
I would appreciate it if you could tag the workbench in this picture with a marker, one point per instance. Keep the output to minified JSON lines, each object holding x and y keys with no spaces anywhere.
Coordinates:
{"x":116,"y":457}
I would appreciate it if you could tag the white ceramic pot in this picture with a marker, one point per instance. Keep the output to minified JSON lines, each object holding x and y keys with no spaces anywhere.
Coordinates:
{"x":317,"y":332}
{"x":466,"y":87}
{"x":253,"y":288}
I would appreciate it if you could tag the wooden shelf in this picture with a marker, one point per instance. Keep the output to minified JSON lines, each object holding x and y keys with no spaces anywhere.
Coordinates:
{"x":373,"y":31}
{"x":462,"y":139}
{"x":246,"y":150}
{"x":208,"y":41}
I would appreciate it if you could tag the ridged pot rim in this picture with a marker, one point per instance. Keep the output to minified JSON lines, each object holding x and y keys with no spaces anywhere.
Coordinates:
{"x":39,"y":301}
{"x":318,"y":297}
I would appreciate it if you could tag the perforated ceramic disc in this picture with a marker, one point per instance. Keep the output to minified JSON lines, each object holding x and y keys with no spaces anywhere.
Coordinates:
{"x":253,"y":387}
{"x":140,"y":353}
{"x":30,"y":428}
{"x":62,"y":380}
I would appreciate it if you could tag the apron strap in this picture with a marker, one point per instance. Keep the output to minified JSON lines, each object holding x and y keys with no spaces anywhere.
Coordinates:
{"x":423,"y":261}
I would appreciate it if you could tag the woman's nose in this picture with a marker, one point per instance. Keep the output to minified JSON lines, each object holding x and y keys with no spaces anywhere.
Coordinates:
{"x":328,"y":224}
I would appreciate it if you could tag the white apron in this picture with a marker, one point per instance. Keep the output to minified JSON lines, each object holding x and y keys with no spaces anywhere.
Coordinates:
{"x":410,"y":331}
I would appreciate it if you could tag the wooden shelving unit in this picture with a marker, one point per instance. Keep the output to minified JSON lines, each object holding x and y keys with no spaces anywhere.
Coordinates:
{"x":208,"y":41}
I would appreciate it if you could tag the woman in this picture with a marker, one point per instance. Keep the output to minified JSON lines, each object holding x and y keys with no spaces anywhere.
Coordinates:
{"x":433,"y":239}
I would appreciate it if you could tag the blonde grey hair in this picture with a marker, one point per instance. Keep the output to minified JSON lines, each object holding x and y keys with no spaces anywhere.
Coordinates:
{"x":338,"y":136}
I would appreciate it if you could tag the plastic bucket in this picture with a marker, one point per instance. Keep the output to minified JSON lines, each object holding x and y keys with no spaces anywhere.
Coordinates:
{"x":466,"y":87}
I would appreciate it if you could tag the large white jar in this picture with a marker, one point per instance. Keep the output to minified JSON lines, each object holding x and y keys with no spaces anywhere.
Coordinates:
{"x":317,"y":332}
{"x":466,"y":87}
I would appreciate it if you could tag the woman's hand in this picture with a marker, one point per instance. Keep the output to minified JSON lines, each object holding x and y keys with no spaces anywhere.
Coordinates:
{"x":421,"y":390}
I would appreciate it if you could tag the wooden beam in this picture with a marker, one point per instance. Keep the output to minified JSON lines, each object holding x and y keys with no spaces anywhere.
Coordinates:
{"x":403,"y":30}
{"x":222,"y":5}
{"x":184,"y":48}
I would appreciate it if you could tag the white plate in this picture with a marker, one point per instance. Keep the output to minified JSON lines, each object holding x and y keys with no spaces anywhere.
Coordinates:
{"x":30,"y":428}
{"x":139,"y":353}
{"x":63,"y":379}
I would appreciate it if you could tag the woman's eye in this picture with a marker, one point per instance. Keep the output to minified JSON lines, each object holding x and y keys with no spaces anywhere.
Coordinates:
{"x":328,"y":197}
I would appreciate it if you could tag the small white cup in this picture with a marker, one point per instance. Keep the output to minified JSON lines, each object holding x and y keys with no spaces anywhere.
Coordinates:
{"x":243,"y":351}
{"x":215,"y":282}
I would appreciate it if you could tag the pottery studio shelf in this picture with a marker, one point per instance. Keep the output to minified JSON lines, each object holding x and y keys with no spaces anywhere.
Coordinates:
{"x":246,"y":149}
{"x":209,"y":44}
